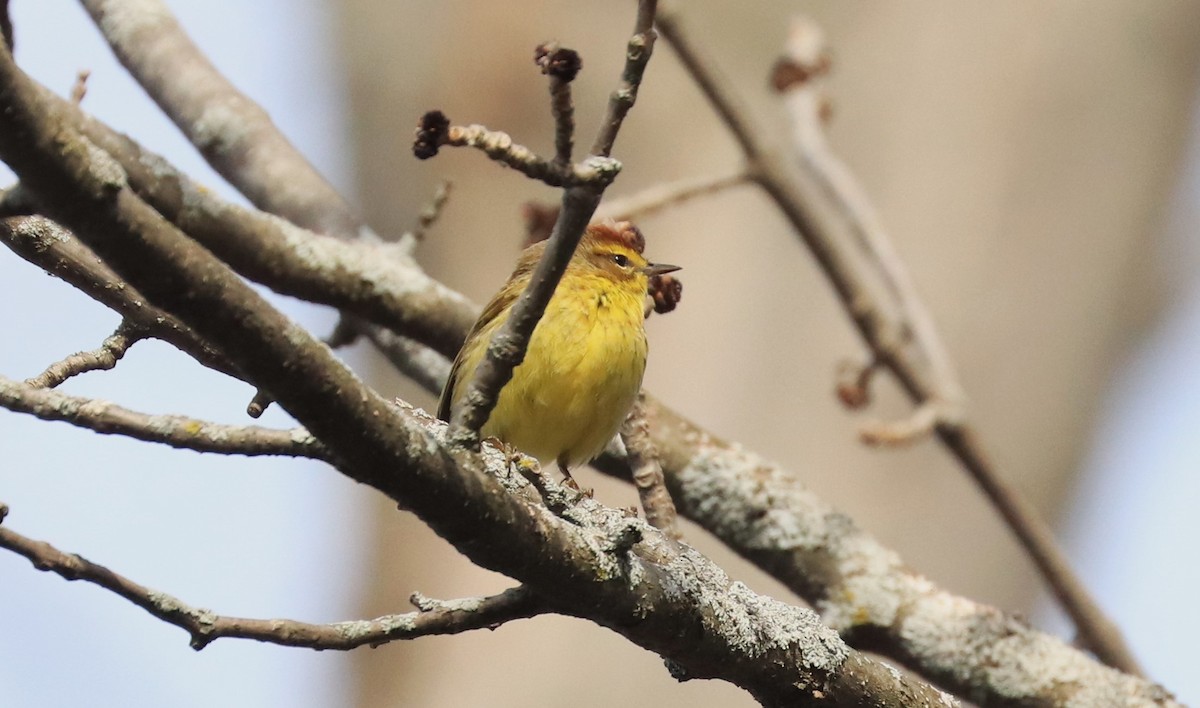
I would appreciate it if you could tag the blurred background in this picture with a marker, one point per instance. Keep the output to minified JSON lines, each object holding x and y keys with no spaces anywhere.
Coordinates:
{"x":1038,"y":165}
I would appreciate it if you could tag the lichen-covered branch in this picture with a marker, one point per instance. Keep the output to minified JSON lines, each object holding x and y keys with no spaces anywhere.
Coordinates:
{"x":174,"y":430}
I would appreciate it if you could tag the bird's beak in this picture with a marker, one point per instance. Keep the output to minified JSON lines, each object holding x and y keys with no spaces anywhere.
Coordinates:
{"x":658,"y":269}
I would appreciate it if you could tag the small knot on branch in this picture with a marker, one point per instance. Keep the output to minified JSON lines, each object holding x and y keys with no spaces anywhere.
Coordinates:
{"x":433,"y":130}
{"x":558,"y":62}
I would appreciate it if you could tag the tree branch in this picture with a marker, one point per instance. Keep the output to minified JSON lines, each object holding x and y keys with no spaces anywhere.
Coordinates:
{"x":205,"y":627}
{"x":101,"y":359}
{"x":174,"y":430}
{"x":886,"y":338}
{"x":647,"y":473}
{"x":212,"y":113}
{"x":668,"y":194}
{"x":56,"y":251}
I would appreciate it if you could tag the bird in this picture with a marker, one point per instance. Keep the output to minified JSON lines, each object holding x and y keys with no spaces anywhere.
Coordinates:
{"x":584,"y":365}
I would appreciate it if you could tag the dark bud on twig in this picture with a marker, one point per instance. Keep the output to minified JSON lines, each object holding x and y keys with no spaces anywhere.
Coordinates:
{"x":854,"y":383}
{"x":432,"y":132}
{"x":787,"y":72}
{"x":666,"y":291}
{"x":561,"y":63}
{"x":539,"y":221}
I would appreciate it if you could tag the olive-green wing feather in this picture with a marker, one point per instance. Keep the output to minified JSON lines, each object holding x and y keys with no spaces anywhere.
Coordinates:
{"x":499,"y":304}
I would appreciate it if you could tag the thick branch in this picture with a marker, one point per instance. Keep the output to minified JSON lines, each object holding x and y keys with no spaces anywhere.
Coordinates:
{"x":236,"y":136}
{"x":377,"y":281}
{"x":174,"y":430}
{"x":205,"y":626}
{"x":801,"y":201}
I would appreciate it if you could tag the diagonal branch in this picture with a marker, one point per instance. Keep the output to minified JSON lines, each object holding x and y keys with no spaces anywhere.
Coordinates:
{"x":224,"y":124}
{"x":56,"y":251}
{"x":174,"y":430}
{"x":205,"y":626}
{"x":800,"y":199}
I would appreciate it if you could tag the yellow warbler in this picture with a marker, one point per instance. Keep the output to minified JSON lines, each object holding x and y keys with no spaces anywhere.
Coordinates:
{"x":586,"y":357}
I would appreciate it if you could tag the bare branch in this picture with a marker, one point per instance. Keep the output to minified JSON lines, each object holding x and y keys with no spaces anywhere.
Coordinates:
{"x":562,"y":65}
{"x":174,"y":430}
{"x":375,"y":280}
{"x":887,"y":338}
{"x":668,"y":194}
{"x":647,"y":473}
{"x":637,"y":56}
{"x":56,"y":250}
{"x":102,"y":359}
{"x":434,"y":131}
{"x":235,"y":135}
{"x":205,"y":626}
{"x":863,"y":589}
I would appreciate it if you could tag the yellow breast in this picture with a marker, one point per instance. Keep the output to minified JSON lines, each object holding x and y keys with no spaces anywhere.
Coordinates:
{"x":580,"y":375}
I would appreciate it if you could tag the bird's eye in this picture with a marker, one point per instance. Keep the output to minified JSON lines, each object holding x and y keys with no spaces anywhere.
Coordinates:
{"x":620,"y":260}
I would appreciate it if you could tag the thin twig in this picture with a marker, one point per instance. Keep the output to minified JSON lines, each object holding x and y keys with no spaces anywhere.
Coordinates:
{"x":668,"y":194}
{"x":175,"y":430}
{"x":804,"y":64}
{"x":797,"y":199}
{"x":647,"y":473}
{"x":562,"y":65}
{"x":103,"y":358}
{"x":435,"y":131}
{"x":205,"y":626}
{"x":432,"y":211}
{"x":637,"y":56}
